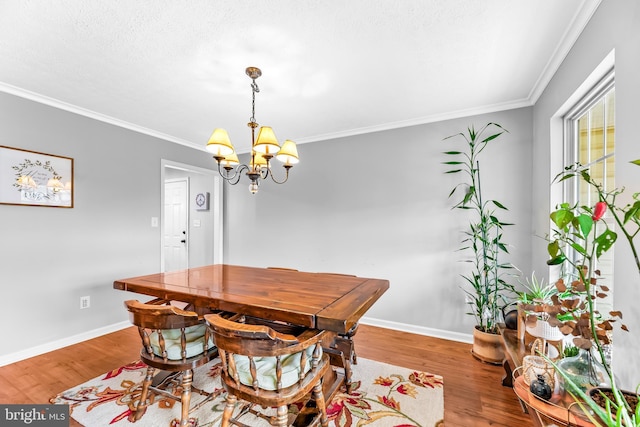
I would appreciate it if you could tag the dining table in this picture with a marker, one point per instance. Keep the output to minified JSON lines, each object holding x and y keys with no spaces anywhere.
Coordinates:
{"x":332,"y":302}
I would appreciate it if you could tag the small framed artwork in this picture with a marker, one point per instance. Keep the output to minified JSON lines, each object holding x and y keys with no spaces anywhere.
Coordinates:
{"x":202,"y":201}
{"x":35,"y":179}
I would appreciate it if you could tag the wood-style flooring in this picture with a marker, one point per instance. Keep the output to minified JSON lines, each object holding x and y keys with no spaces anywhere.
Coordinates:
{"x":473,"y":394}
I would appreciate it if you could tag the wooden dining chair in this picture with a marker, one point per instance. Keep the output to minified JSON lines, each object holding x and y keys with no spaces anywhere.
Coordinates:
{"x":174,"y":341}
{"x":262,"y":366}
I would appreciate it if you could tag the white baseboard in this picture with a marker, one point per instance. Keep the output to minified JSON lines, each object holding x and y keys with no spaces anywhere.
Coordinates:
{"x":64,"y":342}
{"x":420,"y":330}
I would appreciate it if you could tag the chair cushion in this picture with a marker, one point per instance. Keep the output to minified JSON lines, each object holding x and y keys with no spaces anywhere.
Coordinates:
{"x":266,"y":369}
{"x":195,"y":340}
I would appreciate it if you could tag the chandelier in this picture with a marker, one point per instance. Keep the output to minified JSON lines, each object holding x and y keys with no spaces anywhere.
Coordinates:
{"x":263,"y":149}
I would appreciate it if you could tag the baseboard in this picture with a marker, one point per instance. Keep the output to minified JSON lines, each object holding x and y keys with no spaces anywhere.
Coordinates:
{"x":64,"y":342}
{"x":58,"y":344}
{"x":420,"y":330}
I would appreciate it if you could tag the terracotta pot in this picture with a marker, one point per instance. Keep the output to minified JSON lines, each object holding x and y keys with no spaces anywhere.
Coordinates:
{"x":630,"y":397}
{"x":487,"y":347}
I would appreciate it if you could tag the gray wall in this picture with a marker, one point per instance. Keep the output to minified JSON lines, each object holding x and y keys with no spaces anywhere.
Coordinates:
{"x":376,"y":205}
{"x":615,"y":25}
{"x":49,"y":257}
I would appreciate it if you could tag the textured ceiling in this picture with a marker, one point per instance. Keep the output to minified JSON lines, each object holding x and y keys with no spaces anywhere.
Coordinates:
{"x":175,"y":69}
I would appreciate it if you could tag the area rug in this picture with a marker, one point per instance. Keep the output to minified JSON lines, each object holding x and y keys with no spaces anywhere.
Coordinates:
{"x":382,"y":395}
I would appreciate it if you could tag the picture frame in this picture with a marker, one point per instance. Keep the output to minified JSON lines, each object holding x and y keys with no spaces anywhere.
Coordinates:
{"x":32,"y":178}
{"x":202,"y":201}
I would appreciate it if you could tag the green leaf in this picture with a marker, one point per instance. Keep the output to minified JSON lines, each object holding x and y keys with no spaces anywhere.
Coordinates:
{"x":578,"y":248}
{"x":562,"y":218}
{"x":636,"y":162}
{"x":557,"y":260}
{"x":565,"y":177}
{"x":633,"y":212}
{"x":453,"y":152}
{"x":553,"y":248}
{"x":604,"y":242}
{"x":500,"y":205}
{"x":585,"y":223}
{"x":453,"y":163}
{"x":489,"y":138}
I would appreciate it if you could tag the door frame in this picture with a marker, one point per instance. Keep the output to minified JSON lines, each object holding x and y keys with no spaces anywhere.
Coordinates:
{"x":216,"y":206}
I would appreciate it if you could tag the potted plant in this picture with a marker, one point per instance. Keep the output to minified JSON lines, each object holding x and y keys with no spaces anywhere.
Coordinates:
{"x":577,"y":228}
{"x":486,"y":289}
{"x":536,"y":303}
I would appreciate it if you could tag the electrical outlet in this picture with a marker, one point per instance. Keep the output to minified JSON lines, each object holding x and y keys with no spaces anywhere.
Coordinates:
{"x":85,"y":302}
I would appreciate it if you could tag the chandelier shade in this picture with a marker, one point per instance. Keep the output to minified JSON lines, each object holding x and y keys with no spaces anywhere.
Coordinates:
{"x":266,"y":142}
{"x":263,"y":149}
{"x":230,"y":160}
{"x":219,"y":144}
{"x":288,"y":154}
{"x":258,"y":160}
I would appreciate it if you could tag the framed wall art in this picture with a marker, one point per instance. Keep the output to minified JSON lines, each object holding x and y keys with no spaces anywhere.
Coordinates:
{"x":202,"y":201}
{"x":35,"y":179}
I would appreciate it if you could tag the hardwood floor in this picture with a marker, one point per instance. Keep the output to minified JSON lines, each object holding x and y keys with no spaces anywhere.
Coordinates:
{"x":473,"y":394}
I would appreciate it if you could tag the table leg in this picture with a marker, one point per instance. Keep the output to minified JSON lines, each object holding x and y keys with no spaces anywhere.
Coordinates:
{"x":507,"y":380}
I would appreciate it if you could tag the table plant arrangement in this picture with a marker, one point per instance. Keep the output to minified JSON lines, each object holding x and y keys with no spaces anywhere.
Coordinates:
{"x":486,"y":289}
{"x":580,"y":229}
{"x":536,"y":302}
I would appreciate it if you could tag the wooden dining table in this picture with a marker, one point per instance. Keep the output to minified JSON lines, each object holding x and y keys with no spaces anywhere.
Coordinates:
{"x":328,"y":301}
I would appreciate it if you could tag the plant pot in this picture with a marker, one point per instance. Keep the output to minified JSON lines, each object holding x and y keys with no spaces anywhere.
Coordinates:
{"x":487,"y":347}
{"x":596,"y":395}
{"x":544,"y":330}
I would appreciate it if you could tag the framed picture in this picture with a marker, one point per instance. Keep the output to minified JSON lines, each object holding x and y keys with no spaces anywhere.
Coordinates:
{"x":202,"y":201}
{"x":35,"y":179}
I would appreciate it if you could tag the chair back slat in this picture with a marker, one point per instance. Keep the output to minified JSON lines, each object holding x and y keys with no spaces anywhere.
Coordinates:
{"x":251,"y":341}
{"x":157,"y":320}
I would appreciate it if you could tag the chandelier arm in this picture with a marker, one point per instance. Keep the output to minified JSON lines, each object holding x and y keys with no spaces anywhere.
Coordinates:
{"x":286,"y":177}
{"x":237,"y":174}
{"x":224,"y":172}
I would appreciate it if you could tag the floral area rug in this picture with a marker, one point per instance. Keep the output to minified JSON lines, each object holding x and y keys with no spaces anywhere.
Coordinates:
{"x":382,"y":395}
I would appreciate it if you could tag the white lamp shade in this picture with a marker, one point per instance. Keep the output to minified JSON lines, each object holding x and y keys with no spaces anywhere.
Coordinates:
{"x":266,"y":142}
{"x":288,"y":154}
{"x":230,"y":160}
{"x":219,"y":144}
{"x":259,"y":160}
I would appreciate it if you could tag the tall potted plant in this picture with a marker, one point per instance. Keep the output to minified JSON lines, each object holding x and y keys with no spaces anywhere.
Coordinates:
{"x":485,"y":287}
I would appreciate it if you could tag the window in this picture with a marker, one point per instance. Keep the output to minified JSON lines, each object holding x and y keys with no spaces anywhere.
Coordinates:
{"x":590,"y":141}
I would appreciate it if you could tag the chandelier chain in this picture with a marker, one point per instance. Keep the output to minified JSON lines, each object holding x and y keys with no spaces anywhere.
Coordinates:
{"x":255,"y":89}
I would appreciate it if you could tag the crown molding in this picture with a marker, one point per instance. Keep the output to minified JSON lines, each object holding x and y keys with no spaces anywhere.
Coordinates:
{"x":568,"y":39}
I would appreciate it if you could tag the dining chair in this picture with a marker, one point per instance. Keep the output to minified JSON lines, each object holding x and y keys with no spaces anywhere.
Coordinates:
{"x":262,"y":366}
{"x":174,"y":341}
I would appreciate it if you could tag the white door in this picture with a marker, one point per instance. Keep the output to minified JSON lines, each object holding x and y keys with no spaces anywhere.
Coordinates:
{"x":176,"y":246}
